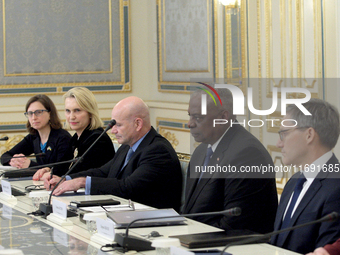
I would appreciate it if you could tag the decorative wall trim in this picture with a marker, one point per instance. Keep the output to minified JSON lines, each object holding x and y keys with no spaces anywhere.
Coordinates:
{"x":235,"y":43}
{"x":176,"y":132}
{"x":173,"y":124}
{"x":174,"y":74}
{"x":55,"y":78}
{"x":12,"y":127}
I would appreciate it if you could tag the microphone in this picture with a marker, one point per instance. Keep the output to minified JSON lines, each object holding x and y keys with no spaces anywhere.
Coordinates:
{"x":140,"y":244}
{"x":5,"y":138}
{"x":329,"y":217}
{"x":42,"y":154}
{"x":46,"y":208}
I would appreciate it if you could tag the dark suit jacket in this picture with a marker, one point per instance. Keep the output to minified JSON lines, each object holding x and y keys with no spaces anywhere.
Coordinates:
{"x":322,"y":197}
{"x":57,"y":144}
{"x":257,"y":197}
{"x":99,"y":154}
{"x":152,"y":175}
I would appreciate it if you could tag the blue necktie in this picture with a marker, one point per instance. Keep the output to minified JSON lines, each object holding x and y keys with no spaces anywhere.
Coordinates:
{"x":206,"y":160}
{"x":297,"y":191}
{"x":127,"y":158}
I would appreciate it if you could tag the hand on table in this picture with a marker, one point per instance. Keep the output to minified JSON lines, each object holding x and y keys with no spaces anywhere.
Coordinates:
{"x":71,"y":185}
{"x":41,"y":174}
{"x":319,"y":251}
{"x":20,"y":162}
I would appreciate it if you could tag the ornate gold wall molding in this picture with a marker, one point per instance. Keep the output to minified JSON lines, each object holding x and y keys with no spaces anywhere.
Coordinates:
{"x":52,"y":47}
{"x":9,"y":144}
{"x":176,"y":131}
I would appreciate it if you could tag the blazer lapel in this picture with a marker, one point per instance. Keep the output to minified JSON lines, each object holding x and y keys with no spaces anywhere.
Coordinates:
{"x":195,"y":188}
{"x":192,"y":179}
{"x":119,"y":161}
{"x":146,"y":141}
{"x":49,"y":150}
{"x":36,"y":145}
{"x":311,"y":192}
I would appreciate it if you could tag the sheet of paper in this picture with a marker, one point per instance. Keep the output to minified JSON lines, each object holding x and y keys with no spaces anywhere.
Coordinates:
{"x":7,"y":168}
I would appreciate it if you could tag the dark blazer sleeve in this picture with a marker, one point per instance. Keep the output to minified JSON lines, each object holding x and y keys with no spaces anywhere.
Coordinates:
{"x":25,"y":146}
{"x":257,"y":196}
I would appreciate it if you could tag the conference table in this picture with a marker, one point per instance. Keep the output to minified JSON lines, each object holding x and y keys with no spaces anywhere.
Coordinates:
{"x":37,"y":235}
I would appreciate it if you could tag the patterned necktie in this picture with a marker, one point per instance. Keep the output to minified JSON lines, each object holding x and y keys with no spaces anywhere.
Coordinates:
{"x":206,"y":160}
{"x":297,"y":191}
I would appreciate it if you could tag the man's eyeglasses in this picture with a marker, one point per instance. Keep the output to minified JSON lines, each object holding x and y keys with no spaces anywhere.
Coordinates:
{"x":282,"y":133}
{"x":37,"y":113}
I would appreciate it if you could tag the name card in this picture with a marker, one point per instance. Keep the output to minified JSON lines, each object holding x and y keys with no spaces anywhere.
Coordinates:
{"x":6,"y":187}
{"x":60,"y":208}
{"x":106,"y":228}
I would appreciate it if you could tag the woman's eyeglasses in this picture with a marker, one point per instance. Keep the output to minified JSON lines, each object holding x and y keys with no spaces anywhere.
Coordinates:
{"x":37,"y":113}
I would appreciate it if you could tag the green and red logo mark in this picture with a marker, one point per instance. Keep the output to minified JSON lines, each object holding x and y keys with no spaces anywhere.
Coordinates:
{"x":204,"y":97}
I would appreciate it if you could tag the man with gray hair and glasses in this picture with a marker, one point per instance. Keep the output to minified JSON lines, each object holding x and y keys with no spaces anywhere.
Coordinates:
{"x":306,"y":143}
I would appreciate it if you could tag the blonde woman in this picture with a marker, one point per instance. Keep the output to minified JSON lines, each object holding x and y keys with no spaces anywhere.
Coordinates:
{"x":82,"y":116}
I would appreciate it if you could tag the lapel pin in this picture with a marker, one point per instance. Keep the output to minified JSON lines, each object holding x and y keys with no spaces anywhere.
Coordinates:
{"x":49,"y":148}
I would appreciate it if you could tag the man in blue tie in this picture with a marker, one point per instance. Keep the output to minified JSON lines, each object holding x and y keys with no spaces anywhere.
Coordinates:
{"x":144,"y":169}
{"x":232,"y":147}
{"x":306,"y":142}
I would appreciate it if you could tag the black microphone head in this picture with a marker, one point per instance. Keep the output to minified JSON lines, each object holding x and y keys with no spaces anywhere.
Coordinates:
{"x":236,"y":211}
{"x":111,"y":123}
{"x":334,"y":216}
{"x":5,"y":138}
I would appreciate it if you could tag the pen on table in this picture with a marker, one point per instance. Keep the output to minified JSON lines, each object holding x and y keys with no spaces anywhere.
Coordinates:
{"x":51,"y":176}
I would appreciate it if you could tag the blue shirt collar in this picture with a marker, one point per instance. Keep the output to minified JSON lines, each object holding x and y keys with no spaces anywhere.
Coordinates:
{"x":135,"y":146}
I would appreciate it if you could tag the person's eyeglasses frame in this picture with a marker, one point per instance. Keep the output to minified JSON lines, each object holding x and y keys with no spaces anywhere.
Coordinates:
{"x":284,"y":131}
{"x":37,"y":113}
{"x":31,"y":187}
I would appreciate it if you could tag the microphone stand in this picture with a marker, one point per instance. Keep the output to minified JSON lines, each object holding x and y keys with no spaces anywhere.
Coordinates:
{"x":46,"y":208}
{"x":329,"y":217}
{"x":16,"y":172}
{"x":29,"y":156}
{"x":140,"y":244}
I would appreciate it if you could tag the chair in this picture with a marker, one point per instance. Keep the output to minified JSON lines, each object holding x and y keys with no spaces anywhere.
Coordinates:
{"x":184,"y":160}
